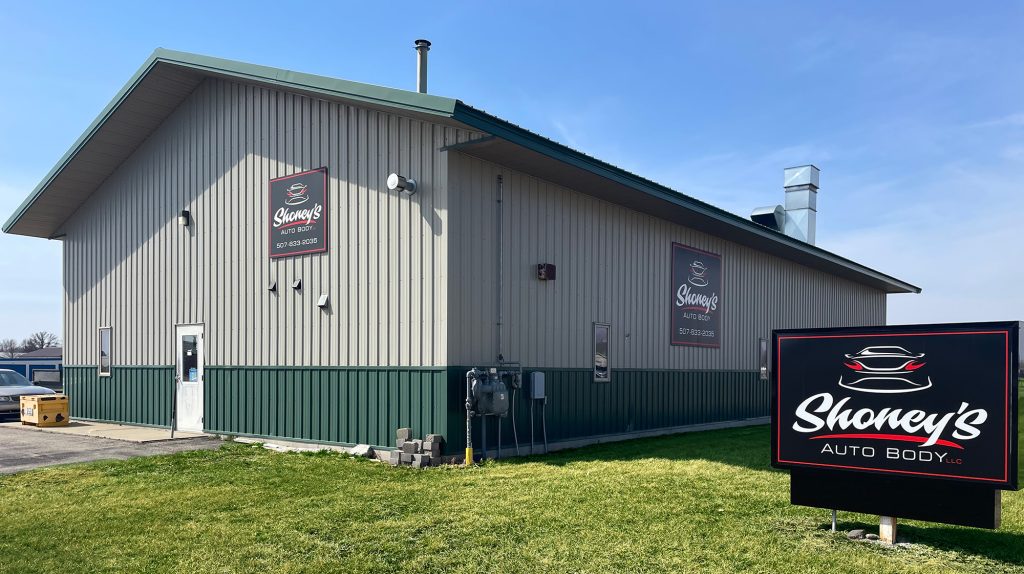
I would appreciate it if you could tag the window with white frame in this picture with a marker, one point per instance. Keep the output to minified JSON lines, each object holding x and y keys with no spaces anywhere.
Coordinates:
{"x":105,"y":351}
{"x":602,"y":368}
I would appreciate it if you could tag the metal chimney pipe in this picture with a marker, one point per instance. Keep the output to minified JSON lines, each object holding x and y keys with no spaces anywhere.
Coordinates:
{"x":422,"y":47}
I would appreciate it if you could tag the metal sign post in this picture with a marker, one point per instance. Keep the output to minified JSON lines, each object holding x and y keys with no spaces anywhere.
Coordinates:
{"x":887,"y":529}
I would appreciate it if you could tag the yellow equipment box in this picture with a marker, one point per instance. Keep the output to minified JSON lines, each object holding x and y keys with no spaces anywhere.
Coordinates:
{"x":44,"y":410}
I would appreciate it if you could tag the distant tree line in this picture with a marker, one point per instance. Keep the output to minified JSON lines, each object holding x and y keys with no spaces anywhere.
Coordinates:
{"x":11,"y":348}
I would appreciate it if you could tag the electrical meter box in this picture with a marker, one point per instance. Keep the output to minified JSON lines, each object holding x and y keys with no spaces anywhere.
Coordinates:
{"x":536,"y":385}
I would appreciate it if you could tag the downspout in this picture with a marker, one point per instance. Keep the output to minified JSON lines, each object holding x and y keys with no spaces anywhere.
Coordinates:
{"x":501,"y":264}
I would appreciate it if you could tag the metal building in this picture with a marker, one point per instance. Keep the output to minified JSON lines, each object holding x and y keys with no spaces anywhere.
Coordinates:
{"x":174,"y":210}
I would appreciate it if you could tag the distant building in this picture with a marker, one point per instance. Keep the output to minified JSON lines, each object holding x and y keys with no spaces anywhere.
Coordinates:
{"x":44,"y":353}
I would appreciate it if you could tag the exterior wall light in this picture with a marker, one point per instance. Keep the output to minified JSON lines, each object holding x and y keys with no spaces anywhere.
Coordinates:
{"x":404,"y":184}
{"x":184,"y":218}
{"x":272,"y":287}
{"x":297,"y":284}
{"x":323,"y":301}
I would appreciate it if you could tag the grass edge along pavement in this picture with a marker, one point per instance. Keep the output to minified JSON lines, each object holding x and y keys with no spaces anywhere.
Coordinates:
{"x":700,"y":502}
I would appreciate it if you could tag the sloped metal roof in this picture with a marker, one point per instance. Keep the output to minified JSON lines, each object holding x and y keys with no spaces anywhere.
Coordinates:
{"x":168,"y":77}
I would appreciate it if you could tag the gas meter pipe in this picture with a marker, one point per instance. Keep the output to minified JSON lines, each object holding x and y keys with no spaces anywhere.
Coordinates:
{"x":469,"y":419}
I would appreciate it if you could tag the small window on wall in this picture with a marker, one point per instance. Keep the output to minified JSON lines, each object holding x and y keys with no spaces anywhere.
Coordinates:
{"x":763,"y":358}
{"x":105,"y":352}
{"x":602,"y":368}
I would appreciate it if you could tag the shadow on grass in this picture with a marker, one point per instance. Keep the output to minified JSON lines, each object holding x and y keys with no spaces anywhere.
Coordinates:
{"x":746,"y":447}
{"x":995,"y":545}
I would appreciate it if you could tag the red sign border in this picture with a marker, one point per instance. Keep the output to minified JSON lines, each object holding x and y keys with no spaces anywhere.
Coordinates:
{"x":1005,"y":480}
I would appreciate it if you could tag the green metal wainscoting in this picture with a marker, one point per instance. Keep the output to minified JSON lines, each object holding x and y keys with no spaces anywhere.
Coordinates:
{"x":347,"y":405}
{"x":635,"y":400}
{"x":134,"y":395}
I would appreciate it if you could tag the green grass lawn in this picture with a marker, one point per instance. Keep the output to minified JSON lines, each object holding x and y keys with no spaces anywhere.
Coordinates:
{"x":703,"y":502}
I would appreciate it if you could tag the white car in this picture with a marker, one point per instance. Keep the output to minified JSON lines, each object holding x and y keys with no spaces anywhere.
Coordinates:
{"x":13,"y":386}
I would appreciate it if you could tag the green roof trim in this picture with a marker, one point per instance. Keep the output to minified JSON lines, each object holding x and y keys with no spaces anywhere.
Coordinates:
{"x":367,"y":93}
{"x":441,"y":107}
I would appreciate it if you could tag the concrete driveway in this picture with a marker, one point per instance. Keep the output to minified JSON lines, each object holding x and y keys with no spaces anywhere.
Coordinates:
{"x":22,"y":449}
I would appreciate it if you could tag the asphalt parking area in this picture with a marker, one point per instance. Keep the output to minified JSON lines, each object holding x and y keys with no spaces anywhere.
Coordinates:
{"x":27,"y":449}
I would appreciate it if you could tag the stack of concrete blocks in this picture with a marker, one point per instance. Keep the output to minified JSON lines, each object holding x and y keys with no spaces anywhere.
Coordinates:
{"x":415,"y":452}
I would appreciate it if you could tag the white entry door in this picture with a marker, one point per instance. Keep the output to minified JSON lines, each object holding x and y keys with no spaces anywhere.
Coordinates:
{"x":189,"y":344}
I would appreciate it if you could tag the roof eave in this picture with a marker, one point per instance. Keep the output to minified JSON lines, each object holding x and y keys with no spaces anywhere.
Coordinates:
{"x":503,"y":129}
{"x":310,"y":83}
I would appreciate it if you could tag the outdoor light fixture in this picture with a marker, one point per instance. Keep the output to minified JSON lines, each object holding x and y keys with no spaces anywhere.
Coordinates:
{"x":183,"y":218}
{"x":404,"y":184}
{"x":297,"y":284}
{"x":323,"y":301}
{"x":272,"y":287}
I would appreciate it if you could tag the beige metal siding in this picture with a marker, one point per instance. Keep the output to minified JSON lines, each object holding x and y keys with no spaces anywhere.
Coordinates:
{"x":129,"y":265}
{"x":613,"y":266}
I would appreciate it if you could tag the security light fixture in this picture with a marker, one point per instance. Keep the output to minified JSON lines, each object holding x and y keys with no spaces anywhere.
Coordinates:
{"x":297,"y":284}
{"x":404,"y":184}
{"x":323,"y":301}
{"x":546,"y":271}
{"x":183,"y":218}
{"x":272,"y":287}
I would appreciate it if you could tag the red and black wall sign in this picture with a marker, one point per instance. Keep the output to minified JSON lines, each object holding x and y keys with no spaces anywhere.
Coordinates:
{"x":923,"y":401}
{"x":696,"y":297}
{"x":297,"y":220}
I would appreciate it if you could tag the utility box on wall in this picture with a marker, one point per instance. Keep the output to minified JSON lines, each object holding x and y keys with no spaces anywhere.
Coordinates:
{"x":546,"y":271}
{"x":537,"y":385}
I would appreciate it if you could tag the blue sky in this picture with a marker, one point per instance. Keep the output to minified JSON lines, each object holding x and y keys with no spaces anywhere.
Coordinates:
{"x":914,"y":111}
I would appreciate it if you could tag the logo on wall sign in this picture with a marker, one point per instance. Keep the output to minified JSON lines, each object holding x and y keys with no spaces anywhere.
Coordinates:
{"x":697,"y":271}
{"x":884,"y":370}
{"x":296,"y":194}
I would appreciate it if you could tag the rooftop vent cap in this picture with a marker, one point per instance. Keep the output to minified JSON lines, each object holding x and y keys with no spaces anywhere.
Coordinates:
{"x":772,"y":217}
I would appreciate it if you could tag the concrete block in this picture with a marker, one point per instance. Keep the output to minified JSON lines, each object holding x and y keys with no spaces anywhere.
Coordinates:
{"x":420,"y":461}
{"x":434,"y":437}
{"x":394,"y":458}
{"x":431,"y":448}
{"x":412,"y":446}
{"x":399,"y":444}
{"x":403,"y":434}
{"x":405,"y":458}
{"x":363,"y":450}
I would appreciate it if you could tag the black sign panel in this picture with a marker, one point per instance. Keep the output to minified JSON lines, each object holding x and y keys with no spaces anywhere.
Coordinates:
{"x":925,"y":401}
{"x":696,"y":297}
{"x":297,"y":220}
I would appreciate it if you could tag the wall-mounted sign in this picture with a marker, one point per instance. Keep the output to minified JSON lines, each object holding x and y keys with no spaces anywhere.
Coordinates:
{"x":298,"y":213}
{"x":926,"y":401}
{"x":696,"y":297}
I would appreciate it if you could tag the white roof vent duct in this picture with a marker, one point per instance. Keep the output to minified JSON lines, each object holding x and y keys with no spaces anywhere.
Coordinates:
{"x":801,"y":184}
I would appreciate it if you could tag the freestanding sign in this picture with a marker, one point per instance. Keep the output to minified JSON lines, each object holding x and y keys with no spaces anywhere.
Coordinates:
{"x":297,"y":219}
{"x":929,"y":407}
{"x":696,"y":297}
